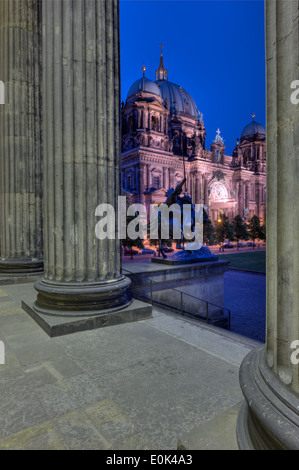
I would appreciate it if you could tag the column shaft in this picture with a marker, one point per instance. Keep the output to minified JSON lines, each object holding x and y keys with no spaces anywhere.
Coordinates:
{"x":198,"y":198}
{"x":241,"y":198}
{"x":81,"y":129}
{"x":141,"y":181}
{"x":206,"y":192}
{"x":171,"y":178}
{"x":21,"y":249}
{"x":268,"y":376}
{"x":164,"y":182}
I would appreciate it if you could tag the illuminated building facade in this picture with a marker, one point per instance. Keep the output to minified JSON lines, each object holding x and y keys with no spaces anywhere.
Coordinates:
{"x":163,"y":140}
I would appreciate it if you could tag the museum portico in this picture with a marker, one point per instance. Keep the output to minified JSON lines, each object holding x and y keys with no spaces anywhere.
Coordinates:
{"x":269,"y":377}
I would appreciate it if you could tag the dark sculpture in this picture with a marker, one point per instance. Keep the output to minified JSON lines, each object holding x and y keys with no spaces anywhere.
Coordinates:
{"x":195,"y":250}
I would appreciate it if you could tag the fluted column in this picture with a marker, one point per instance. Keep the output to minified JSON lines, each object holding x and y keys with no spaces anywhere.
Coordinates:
{"x":269,"y":376}
{"x":21,"y":248}
{"x":81,"y":132}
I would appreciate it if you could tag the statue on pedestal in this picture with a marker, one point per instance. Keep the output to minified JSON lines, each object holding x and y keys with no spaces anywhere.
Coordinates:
{"x":178,"y":221}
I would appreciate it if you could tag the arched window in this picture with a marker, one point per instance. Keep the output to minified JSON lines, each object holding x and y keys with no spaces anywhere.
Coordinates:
{"x":218,"y":192}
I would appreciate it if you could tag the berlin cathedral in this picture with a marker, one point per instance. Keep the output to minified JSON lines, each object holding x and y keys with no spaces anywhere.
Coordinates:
{"x":163,"y":141}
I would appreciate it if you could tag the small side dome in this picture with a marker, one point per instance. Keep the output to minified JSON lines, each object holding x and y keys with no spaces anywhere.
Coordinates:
{"x":253,"y":128}
{"x":145,"y":85}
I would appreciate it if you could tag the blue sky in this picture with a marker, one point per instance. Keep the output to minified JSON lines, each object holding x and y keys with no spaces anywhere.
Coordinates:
{"x":213,"y":48}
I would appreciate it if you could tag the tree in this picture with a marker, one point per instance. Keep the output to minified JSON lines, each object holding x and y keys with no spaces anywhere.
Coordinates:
{"x":208,"y":232}
{"x":223,"y":229}
{"x":255,"y":230}
{"x":129,"y":242}
{"x":240,"y":230}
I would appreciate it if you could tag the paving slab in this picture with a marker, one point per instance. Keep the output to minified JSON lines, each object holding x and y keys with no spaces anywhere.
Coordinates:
{"x":218,"y":433}
{"x":138,"y":385}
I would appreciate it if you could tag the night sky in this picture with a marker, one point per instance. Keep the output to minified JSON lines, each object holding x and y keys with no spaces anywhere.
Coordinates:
{"x":212,"y":48}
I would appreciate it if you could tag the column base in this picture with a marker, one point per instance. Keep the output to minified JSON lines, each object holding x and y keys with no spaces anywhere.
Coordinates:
{"x":269,"y":418}
{"x":55,"y":325}
{"x":19,"y":267}
{"x":81,"y":298}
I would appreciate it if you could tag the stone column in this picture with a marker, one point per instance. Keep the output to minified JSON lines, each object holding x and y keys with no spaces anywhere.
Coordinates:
{"x":246,"y":189}
{"x":191,"y":185}
{"x":269,"y":376}
{"x":241,"y":198}
{"x":171,"y":178}
{"x":147,"y":177}
{"x":167,"y":179}
{"x":161,"y":124}
{"x":206,"y":191}
{"x":139,"y":119}
{"x":198,"y":198}
{"x":164,"y":183}
{"x":145,"y":119}
{"x":81,"y":144}
{"x":21,"y":249}
{"x":141,"y":181}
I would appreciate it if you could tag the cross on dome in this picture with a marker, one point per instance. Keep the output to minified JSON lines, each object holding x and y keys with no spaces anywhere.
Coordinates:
{"x":218,"y":138}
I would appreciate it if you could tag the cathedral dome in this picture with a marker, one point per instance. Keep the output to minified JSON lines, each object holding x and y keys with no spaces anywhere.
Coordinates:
{"x":178,"y":99}
{"x":253,"y":128}
{"x":144,"y":84}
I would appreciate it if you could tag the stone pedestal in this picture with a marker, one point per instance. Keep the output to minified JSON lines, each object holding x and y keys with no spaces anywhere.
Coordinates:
{"x":21,"y":247}
{"x":269,"y":377}
{"x":81,"y":141}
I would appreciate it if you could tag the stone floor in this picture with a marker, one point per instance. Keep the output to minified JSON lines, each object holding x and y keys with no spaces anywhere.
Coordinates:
{"x":133,"y":386}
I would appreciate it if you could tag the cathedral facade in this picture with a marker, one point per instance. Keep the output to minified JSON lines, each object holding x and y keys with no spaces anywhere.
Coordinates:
{"x":163,"y":141}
